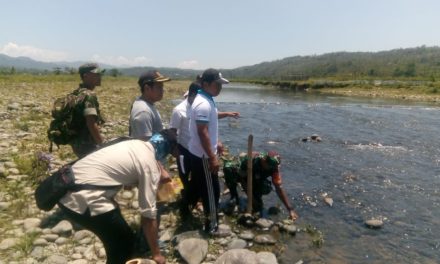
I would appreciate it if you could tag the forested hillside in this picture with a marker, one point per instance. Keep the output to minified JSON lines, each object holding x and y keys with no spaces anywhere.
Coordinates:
{"x":415,"y":63}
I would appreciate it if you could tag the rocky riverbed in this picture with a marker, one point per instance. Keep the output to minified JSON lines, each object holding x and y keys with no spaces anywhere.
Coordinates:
{"x":29,"y":235}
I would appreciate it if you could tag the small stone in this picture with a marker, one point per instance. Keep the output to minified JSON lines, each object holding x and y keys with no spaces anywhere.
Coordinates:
{"x":13,"y":171}
{"x":291,"y":229}
{"x":40,"y":242}
{"x":329,"y":201}
{"x":4,"y":205}
{"x":374,"y":223}
{"x":264,"y":223}
{"x":77,"y":256}
{"x":61,"y":241}
{"x":56,"y":259}
{"x":265,"y":239}
{"x":62,"y":228}
{"x":266,"y":258}
{"x":193,"y":250}
{"x":7,"y":243}
{"x":31,"y":223}
{"x":237,"y":244}
{"x":37,"y":253}
{"x":246,"y":235}
{"x":81,"y":234}
{"x":85,"y":241}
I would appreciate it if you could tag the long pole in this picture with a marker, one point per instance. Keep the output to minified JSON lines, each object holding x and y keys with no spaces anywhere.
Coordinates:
{"x":249,"y":175}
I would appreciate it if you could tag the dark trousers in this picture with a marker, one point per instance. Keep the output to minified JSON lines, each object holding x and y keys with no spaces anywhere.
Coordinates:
{"x":111,"y":228}
{"x":208,"y":187}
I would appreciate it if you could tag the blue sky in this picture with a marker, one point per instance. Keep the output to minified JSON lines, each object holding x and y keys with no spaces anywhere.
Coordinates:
{"x":199,"y":34}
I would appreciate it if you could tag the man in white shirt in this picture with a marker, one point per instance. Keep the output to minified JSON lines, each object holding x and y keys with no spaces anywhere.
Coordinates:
{"x":128,"y":163}
{"x":180,"y":122}
{"x":203,"y":129}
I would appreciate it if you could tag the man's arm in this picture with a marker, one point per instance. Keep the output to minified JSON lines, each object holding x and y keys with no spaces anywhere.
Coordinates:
{"x":221,"y":115}
{"x":283,"y":197}
{"x":93,"y":127}
{"x":149,"y":226}
{"x":203,"y":133}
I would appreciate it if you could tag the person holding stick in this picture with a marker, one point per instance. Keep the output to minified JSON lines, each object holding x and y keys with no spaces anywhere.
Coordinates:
{"x":264,"y":165}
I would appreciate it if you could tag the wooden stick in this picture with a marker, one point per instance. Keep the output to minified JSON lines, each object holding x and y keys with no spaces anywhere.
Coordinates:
{"x":249,"y":174}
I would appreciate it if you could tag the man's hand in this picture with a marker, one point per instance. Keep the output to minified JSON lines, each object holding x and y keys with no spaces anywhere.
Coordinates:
{"x":293,"y":215}
{"x":220,"y":148}
{"x":159,"y":259}
{"x":234,"y":114}
{"x":214,"y":165}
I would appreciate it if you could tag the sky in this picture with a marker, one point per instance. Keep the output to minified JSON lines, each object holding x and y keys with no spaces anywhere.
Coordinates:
{"x":199,"y":34}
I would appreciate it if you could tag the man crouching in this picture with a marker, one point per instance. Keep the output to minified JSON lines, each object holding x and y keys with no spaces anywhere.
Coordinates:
{"x":128,"y":163}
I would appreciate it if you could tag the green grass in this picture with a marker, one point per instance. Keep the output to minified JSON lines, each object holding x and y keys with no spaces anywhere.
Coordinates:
{"x":24,"y":244}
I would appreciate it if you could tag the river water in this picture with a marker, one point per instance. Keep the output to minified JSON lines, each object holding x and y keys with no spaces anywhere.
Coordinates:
{"x":377,"y":159}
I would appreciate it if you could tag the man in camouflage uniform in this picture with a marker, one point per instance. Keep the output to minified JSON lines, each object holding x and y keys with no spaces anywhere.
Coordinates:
{"x":87,"y":117}
{"x":264,"y":165}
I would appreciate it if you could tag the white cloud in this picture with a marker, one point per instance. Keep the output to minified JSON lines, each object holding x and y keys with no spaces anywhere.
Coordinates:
{"x":190,"y":64}
{"x":121,"y":60}
{"x":15,"y":50}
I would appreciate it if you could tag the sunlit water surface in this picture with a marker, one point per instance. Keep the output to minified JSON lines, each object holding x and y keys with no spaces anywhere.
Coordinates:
{"x":377,"y":159}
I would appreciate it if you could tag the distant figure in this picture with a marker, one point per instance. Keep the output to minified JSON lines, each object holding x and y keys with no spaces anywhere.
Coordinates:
{"x":203,"y":127}
{"x":87,"y":117}
{"x":264,"y":165}
{"x":128,"y":163}
{"x":145,"y":120}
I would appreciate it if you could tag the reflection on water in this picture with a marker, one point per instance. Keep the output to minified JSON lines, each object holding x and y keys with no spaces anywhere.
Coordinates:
{"x":377,"y":159}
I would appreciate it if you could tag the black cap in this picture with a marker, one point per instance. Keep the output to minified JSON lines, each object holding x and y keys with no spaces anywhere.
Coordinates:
{"x":213,"y":75}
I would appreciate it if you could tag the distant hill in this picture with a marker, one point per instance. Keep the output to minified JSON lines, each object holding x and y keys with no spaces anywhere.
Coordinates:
{"x":420,"y":62}
{"x":25,"y":64}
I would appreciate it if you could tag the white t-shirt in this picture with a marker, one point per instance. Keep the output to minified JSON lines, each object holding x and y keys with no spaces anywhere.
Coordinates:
{"x":180,"y":121}
{"x":130,"y":163}
{"x":145,"y":120}
{"x":203,"y":111}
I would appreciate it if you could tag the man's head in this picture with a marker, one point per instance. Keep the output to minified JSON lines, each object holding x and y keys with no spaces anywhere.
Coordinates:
{"x":212,"y":81}
{"x":271,"y":160}
{"x":90,"y":75}
{"x":151,"y":85}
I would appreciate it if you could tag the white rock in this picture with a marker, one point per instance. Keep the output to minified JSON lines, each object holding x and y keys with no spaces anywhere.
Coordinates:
{"x":81,"y":234}
{"x":193,"y":250}
{"x":56,"y":259}
{"x":63,"y":227}
{"x":374,"y":223}
{"x":8,"y":243}
{"x":266,"y":258}
{"x":61,"y":241}
{"x":40,"y":242}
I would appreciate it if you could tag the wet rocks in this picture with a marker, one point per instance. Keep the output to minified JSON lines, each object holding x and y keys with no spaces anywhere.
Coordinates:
{"x":312,"y":138}
{"x":265,"y":239}
{"x":238,"y":256}
{"x":264,"y":223}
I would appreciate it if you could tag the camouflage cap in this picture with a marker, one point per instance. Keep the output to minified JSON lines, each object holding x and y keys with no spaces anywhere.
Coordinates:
{"x":90,"y":67}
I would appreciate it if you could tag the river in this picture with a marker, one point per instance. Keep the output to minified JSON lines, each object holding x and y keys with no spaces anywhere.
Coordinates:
{"x":377,"y":159}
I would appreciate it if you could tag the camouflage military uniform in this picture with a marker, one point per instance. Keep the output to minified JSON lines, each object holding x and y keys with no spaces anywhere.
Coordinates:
{"x":87,"y":104}
{"x":235,"y":172}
